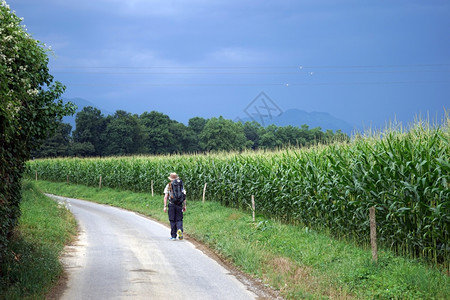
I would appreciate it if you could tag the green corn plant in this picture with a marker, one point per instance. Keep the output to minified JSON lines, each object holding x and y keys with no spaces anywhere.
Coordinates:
{"x":403,"y":173}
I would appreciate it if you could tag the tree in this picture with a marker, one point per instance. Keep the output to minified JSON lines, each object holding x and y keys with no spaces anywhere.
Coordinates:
{"x":90,"y":126}
{"x":197,"y":124}
{"x":122,"y":135}
{"x":317,"y":136}
{"x":184,"y":138}
{"x":30,"y":107}
{"x":306,"y":134}
{"x":251,"y":131}
{"x":157,"y":136}
{"x":194,"y":129}
{"x":268,"y":137}
{"x":82,"y":149}
{"x":290,"y":135}
{"x":57,"y":144}
{"x":220,"y":134}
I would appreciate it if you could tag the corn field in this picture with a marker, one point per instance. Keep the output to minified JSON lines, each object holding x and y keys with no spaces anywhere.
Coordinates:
{"x":404,"y":174}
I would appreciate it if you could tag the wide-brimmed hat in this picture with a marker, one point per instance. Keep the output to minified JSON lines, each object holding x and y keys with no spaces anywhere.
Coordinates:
{"x":173,"y":176}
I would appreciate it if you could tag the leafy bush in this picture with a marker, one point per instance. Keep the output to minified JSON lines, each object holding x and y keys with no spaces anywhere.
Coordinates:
{"x":27,"y":111}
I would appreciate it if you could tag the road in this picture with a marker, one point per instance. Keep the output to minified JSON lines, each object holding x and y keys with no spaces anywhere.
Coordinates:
{"x":122,"y":255}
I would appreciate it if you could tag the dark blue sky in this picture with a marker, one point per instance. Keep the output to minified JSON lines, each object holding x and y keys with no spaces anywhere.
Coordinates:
{"x":366,"y":62}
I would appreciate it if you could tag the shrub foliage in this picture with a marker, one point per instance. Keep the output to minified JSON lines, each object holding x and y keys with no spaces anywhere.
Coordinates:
{"x":27,"y":111}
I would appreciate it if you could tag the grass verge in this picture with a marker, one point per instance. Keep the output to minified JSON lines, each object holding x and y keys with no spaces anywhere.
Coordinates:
{"x":297,"y":261}
{"x":32,"y":265}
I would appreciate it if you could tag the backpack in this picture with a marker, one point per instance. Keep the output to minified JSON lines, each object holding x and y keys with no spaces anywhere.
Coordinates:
{"x":176,"y":192}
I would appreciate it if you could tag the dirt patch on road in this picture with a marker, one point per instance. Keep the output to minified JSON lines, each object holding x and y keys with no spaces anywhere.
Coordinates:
{"x":58,"y":289}
{"x":70,"y":259}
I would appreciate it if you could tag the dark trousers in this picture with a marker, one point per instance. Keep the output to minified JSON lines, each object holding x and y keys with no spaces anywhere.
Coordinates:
{"x":175,"y":218}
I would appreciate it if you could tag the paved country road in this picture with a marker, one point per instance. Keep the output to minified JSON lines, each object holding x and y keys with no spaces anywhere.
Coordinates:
{"x":122,"y":255}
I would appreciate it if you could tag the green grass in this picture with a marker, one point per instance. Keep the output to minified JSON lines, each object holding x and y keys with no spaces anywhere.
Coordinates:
{"x":297,"y":261}
{"x":32,"y":265}
{"x":403,"y":172}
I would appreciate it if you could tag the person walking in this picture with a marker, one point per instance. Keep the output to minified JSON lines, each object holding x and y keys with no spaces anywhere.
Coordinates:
{"x":175,"y":204}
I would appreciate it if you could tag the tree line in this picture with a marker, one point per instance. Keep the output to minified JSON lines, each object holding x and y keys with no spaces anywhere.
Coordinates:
{"x":155,"y":133}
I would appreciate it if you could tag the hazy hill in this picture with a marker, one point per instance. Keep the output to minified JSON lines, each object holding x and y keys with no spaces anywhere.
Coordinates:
{"x":80,"y":102}
{"x":297,"y":117}
{"x":293,"y":117}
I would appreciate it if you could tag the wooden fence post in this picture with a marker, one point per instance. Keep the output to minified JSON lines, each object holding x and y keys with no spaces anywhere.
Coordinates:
{"x":373,"y":234}
{"x":152,"y":188}
{"x":35,"y":172}
{"x":67,"y":178}
{"x":204,"y":192}
{"x":100,"y":182}
{"x":253,"y":207}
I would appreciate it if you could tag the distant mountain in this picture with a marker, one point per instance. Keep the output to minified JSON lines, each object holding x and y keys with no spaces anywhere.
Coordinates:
{"x":293,"y":117}
{"x":80,"y":103}
{"x":297,"y":117}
